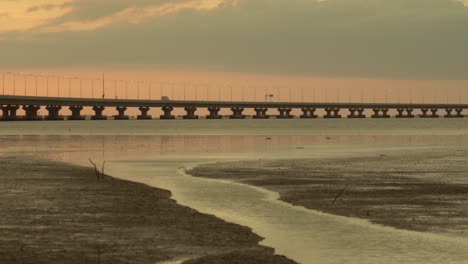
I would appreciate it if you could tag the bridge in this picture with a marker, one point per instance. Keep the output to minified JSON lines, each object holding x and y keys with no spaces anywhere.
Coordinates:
{"x":9,"y":105}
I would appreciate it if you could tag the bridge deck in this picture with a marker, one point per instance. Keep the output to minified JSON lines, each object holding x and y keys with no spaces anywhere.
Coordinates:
{"x":64,"y":101}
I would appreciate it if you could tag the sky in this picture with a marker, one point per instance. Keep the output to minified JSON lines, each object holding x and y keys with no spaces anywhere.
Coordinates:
{"x":386,"y":40}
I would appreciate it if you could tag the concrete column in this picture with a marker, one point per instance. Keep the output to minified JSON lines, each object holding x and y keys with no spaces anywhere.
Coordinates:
{"x":167,"y":112}
{"x":361,"y":112}
{"x":54,"y":112}
{"x":190,"y":110}
{"x":261,"y":113}
{"x":449,"y":112}
{"x":31,"y":112}
{"x":380,"y":112}
{"x":401,"y":113}
{"x":376,"y":112}
{"x":121,"y":113}
{"x":332,"y":112}
{"x":76,"y":112}
{"x":9,"y":112}
{"x":459,"y":112}
{"x":237,"y":113}
{"x":144,"y":113}
{"x":214,"y":113}
{"x":409,"y":112}
{"x":13,"y":109}
{"x":385,"y":113}
{"x":5,"y":112}
{"x":434,"y":113}
{"x":284,"y":113}
{"x":352,"y":113}
{"x":424,"y":112}
{"x":308,"y":112}
{"x":98,"y":113}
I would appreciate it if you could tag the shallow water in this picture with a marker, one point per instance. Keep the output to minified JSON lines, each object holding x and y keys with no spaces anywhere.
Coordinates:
{"x":147,"y":154}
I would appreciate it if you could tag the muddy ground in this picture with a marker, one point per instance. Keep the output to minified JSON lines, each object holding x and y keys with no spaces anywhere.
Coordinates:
{"x":53,"y":212}
{"x":421,"y":191}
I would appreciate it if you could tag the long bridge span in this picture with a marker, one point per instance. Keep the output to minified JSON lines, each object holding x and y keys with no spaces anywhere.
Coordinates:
{"x":9,"y":105}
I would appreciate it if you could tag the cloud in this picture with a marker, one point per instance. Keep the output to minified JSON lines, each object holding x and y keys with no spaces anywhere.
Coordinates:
{"x":26,"y":15}
{"x":360,"y":38}
{"x":133,"y":15}
{"x":46,"y":7}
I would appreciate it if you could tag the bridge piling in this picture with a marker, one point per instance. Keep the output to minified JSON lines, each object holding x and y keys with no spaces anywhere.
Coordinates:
{"x":31,"y":112}
{"x":214,"y":113}
{"x":54,"y":112}
{"x":402,"y":114}
{"x":284,"y":113}
{"x":190,"y":110}
{"x":459,"y":112}
{"x":237,"y":113}
{"x":9,"y":112}
{"x":76,"y":113}
{"x":167,"y":110}
{"x":354,"y":110}
{"x":261,"y":113}
{"x":424,"y":112}
{"x":121,"y":113}
{"x":434,"y":113}
{"x":98,"y":113}
{"x":144,"y":113}
{"x":380,"y":112}
{"x":332,"y":112}
{"x":308,"y":112}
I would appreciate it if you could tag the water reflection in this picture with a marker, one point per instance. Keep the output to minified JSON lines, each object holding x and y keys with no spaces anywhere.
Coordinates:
{"x":304,"y":235}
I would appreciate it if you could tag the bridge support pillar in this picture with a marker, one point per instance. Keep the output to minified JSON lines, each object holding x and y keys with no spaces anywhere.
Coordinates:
{"x":308,"y":112}
{"x":261,"y":113}
{"x":459,"y":112}
{"x":144,"y":113}
{"x":332,"y":112}
{"x":284,"y":113}
{"x":380,"y":112}
{"x":76,"y":112}
{"x":98,"y":113}
{"x":214,"y":113}
{"x":450,"y":112}
{"x":167,"y":112}
{"x":9,"y":112}
{"x":402,"y":114}
{"x":121,"y":113}
{"x":237,"y":113}
{"x":190,"y":110}
{"x":54,"y":112}
{"x":424,"y":112}
{"x":434,"y":113}
{"x":356,"y":113}
{"x":31,"y":112}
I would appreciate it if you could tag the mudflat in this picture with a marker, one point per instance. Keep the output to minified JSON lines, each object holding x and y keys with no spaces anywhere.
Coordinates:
{"x":418,"y":190}
{"x":52,"y":212}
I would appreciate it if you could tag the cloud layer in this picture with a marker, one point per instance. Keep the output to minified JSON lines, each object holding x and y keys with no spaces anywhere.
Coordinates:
{"x":371,"y":38}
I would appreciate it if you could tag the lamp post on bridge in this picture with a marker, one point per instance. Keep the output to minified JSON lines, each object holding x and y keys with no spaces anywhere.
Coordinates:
{"x":35,"y":77}
{"x":14,"y":80}
{"x":81,"y":85}
{"x":3,"y":81}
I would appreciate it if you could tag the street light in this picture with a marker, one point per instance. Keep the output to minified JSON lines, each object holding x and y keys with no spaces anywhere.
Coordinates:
{"x":81,"y":86}
{"x":25,"y":76}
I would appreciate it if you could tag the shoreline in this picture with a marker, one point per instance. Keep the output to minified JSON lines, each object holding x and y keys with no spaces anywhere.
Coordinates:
{"x":57,"y":212}
{"x":272,"y":176}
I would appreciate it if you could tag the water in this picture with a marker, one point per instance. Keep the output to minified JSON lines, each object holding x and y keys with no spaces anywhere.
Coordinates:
{"x":154,"y":153}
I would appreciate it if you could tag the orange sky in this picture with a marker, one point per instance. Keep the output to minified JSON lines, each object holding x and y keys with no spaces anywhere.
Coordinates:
{"x":212,"y":85}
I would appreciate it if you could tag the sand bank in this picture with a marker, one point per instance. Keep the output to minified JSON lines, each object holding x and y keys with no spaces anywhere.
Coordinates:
{"x":419,"y":191}
{"x":53,"y":212}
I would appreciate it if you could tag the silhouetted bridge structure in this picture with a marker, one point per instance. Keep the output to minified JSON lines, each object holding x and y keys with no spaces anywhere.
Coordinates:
{"x":9,"y":105}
